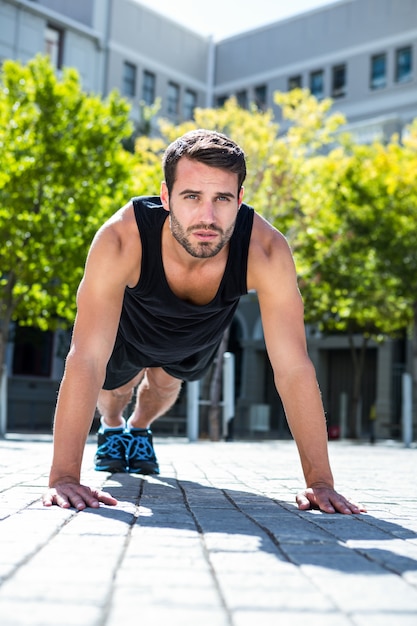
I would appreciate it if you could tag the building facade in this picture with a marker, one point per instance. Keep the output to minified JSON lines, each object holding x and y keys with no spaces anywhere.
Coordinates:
{"x":361,"y":53}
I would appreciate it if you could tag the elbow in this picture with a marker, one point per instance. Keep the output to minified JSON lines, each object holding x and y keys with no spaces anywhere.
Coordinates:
{"x":85,"y":367}
{"x":295,"y":376}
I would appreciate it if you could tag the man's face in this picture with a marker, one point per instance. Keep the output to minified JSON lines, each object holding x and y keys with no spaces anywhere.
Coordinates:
{"x":203,"y":206}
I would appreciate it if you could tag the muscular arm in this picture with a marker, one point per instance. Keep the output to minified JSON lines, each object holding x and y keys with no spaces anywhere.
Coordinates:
{"x":272,"y":274}
{"x":99,"y":301}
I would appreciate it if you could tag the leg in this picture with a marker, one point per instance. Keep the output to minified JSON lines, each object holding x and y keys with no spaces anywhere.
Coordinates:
{"x":111,"y":404}
{"x":132,"y":450}
{"x":113,"y":441}
{"x":156,"y":394}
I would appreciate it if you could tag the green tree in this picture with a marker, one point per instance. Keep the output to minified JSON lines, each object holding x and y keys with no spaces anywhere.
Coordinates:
{"x":339,"y":248}
{"x":381,"y":195}
{"x":62,"y":172}
{"x":350,"y":215}
{"x":401,"y":165}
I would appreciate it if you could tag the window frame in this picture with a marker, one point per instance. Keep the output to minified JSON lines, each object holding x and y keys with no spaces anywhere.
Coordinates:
{"x":313,"y":75}
{"x":260,"y":93}
{"x":33,"y":352}
{"x":221,"y":101}
{"x":242,"y":98}
{"x":54,"y":48}
{"x":129,"y":82}
{"x":295,"y":82}
{"x":173,"y":103}
{"x":339,"y":91}
{"x":148,"y":87}
{"x":189,"y":106}
{"x":409,"y":74}
{"x":378,"y":82}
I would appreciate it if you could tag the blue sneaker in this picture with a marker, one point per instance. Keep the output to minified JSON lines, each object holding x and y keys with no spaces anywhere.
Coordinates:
{"x":111,"y":450}
{"x":141,"y":457}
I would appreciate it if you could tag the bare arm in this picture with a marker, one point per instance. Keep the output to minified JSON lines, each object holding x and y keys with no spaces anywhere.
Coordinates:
{"x":99,"y":301}
{"x":272,"y":274}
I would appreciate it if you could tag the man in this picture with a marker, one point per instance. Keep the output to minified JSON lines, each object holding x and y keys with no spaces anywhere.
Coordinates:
{"x":162,"y":281}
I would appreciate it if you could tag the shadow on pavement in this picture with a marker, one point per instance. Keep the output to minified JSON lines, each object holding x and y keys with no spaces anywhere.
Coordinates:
{"x":237,"y":520}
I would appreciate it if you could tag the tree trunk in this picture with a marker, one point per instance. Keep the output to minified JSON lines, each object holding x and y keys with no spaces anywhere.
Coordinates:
{"x":414,"y":358}
{"x":358,"y":361}
{"x":6,"y":311}
{"x":214,"y":414}
{"x":3,"y":376}
{"x":3,"y":401}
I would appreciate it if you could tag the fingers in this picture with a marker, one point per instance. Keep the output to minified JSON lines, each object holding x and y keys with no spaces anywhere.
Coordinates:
{"x":105,"y":498}
{"x":303,"y":502}
{"x":52,"y":497}
{"x":78,"y":496}
{"x":328,"y":501}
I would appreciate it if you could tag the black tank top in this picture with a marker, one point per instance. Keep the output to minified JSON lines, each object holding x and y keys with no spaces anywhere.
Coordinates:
{"x":164,"y":330}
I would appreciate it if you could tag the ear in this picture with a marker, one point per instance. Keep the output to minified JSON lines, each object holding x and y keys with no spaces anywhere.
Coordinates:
{"x":164,"y":195}
{"x":240,"y":197}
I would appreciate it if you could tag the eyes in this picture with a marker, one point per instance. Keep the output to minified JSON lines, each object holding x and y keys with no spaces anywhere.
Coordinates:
{"x":218,"y":198}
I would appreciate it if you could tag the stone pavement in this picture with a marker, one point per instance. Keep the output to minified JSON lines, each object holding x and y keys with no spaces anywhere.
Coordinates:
{"x":215,"y":540}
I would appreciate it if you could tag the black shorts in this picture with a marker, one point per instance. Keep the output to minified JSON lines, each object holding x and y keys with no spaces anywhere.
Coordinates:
{"x":126,"y":362}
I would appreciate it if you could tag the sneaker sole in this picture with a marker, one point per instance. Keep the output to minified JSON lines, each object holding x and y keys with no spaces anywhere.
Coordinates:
{"x":113,"y":469}
{"x":145,"y":467}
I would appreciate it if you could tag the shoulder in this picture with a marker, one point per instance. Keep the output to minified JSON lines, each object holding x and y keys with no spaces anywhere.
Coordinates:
{"x":116,"y":247}
{"x":270,"y":256}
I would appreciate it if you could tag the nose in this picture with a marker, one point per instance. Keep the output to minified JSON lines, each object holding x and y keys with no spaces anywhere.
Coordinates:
{"x":207,"y":212}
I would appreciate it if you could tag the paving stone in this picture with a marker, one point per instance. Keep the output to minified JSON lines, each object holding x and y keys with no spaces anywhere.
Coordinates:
{"x":215,"y":540}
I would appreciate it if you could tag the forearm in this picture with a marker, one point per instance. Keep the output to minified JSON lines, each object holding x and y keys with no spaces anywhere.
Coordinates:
{"x":305,"y":415}
{"x":73,"y":417}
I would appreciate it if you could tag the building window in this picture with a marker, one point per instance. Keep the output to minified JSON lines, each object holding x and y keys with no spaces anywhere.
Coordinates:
{"x":173,"y":99}
{"x":317,"y":84}
{"x":190,"y":102}
{"x":148,"y":88}
{"x":403,"y":65}
{"x":129,"y":79}
{"x":339,"y":81}
{"x":221,"y":100}
{"x":54,"y":45}
{"x":242,"y":98}
{"x":379,"y":71}
{"x":260,"y":97}
{"x":295,"y":82}
{"x":32,"y":355}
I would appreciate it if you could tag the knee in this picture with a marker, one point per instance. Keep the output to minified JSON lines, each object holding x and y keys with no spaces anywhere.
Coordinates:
{"x":122,"y":392}
{"x":161,"y":383}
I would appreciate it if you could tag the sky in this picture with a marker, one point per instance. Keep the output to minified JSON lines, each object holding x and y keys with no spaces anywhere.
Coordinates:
{"x":224,"y":18}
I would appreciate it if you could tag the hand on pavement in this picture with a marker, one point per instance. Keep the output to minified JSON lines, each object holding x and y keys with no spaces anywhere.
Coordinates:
{"x":67,"y":493}
{"x":327,"y":500}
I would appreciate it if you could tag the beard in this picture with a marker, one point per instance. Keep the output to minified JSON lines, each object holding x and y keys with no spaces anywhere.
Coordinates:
{"x":200,"y":249}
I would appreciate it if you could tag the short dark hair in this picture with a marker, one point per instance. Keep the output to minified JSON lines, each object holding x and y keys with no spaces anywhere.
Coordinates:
{"x":206,"y":146}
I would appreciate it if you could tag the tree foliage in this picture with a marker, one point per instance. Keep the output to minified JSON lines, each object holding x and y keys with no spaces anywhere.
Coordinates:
{"x":353,"y":243}
{"x":62,"y":172}
{"x":345,"y":272}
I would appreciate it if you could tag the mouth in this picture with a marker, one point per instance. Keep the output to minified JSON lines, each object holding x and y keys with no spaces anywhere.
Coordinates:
{"x":205,"y":234}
